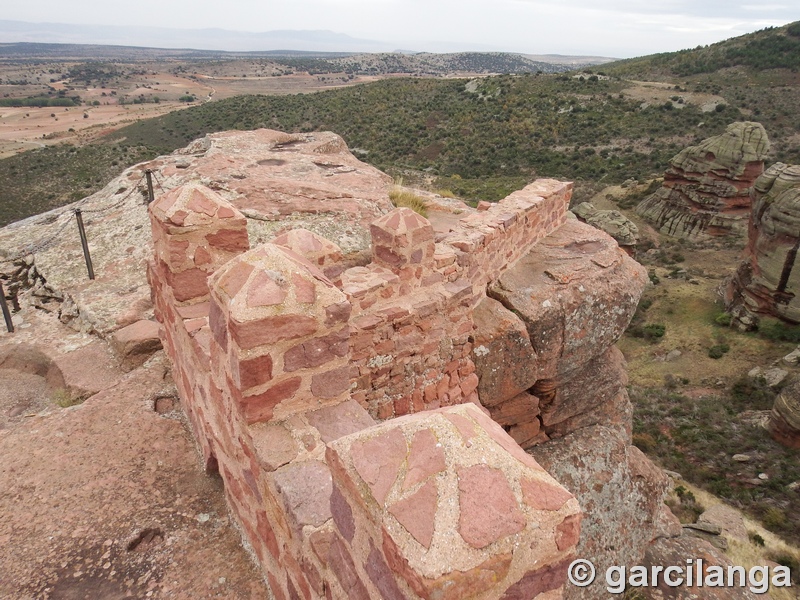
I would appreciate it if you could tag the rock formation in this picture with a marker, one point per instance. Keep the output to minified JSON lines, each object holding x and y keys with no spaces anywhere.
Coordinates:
{"x":767,"y":281}
{"x":706,"y":189}
{"x":339,"y":376}
{"x":613,"y":222}
{"x":784,"y":421}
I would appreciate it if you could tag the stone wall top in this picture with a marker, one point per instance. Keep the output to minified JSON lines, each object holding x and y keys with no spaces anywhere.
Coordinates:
{"x":450,"y":497}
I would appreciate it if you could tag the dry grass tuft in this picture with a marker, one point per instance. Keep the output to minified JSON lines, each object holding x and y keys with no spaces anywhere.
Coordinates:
{"x":400,"y":197}
{"x":65,"y":398}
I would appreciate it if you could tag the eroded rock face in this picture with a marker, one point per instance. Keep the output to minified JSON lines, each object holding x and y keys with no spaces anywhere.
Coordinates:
{"x":706,"y":190}
{"x":551,"y":376}
{"x":767,"y":281}
{"x":620,"y":491}
{"x":576,"y":292}
{"x":784,"y":422}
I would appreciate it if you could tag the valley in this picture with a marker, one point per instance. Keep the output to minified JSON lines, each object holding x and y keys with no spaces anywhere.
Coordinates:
{"x":457,"y":129}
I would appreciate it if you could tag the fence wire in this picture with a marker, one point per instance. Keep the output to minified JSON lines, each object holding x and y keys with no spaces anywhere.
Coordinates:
{"x":50,"y":238}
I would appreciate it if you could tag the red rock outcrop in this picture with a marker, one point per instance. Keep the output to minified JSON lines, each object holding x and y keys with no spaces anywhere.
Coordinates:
{"x":767,"y":281}
{"x":706,"y":189}
{"x":784,"y":421}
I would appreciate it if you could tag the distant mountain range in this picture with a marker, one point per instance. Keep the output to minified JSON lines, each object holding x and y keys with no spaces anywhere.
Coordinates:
{"x":284,"y":42}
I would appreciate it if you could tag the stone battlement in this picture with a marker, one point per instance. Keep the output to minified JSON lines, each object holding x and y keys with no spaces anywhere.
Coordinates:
{"x":287,"y":363}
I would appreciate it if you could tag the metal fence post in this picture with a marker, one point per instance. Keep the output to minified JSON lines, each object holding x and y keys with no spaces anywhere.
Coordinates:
{"x":84,"y":243}
{"x":150,"y":194}
{"x":6,"y":312}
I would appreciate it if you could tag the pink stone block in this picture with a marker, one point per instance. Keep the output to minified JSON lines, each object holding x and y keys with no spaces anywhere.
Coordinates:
{"x":425,"y":458}
{"x":417,"y":513}
{"x":265,"y":291}
{"x":331,"y":384}
{"x":259,"y":407}
{"x":317,"y":351}
{"x":271,"y":330}
{"x":378,"y":461}
{"x":253,"y":372}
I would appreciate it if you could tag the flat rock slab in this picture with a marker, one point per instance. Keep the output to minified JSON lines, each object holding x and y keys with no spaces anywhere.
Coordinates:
{"x":89,"y":369}
{"x":728,"y":519}
{"x":106,"y":500}
{"x":136,"y":342}
{"x":676,"y":551}
{"x":576,"y":292}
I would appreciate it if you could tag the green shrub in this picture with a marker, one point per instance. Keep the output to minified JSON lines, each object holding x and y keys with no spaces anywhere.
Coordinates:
{"x":644,"y":442}
{"x":774,"y":519}
{"x":723,"y":319}
{"x":65,"y":398}
{"x":718,"y":350}
{"x":653,"y":331}
{"x":778,"y":331}
{"x":756,"y":539}
{"x":752,"y":394}
{"x":787,"y":560}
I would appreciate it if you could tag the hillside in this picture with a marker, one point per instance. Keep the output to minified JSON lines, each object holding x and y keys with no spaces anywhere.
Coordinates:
{"x":771,"y":48}
{"x":480,"y":138}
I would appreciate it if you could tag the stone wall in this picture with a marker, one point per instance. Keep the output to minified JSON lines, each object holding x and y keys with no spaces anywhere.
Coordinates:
{"x":283,"y":374}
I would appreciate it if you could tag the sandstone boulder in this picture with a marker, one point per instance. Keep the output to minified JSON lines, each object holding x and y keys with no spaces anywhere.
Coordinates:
{"x":504,"y":358}
{"x":576,"y":292}
{"x":613,"y":222}
{"x":677,"y":551}
{"x":767,"y":282}
{"x":136,"y":343}
{"x":706,"y":189}
{"x":729,"y":520}
{"x":599,"y":467}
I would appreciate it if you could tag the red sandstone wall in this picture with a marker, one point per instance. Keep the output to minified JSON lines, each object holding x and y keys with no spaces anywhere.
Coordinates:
{"x":275,"y":366}
{"x":413,"y":307}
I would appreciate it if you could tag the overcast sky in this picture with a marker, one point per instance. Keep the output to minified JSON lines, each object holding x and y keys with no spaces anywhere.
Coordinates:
{"x":619,"y":28}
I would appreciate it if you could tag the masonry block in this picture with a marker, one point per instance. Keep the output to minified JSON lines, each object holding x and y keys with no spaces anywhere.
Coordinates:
{"x":316,"y":249}
{"x":195,"y":231}
{"x":270,"y":317}
{"x":402,"y":239}
{"x":450,"y":506}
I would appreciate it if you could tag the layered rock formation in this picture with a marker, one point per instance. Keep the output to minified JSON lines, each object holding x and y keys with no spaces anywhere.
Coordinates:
{"x":549,"y":371}
{"x":784,"y":421}
{"x":706,"y":189}
{"x":767,"y":282}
